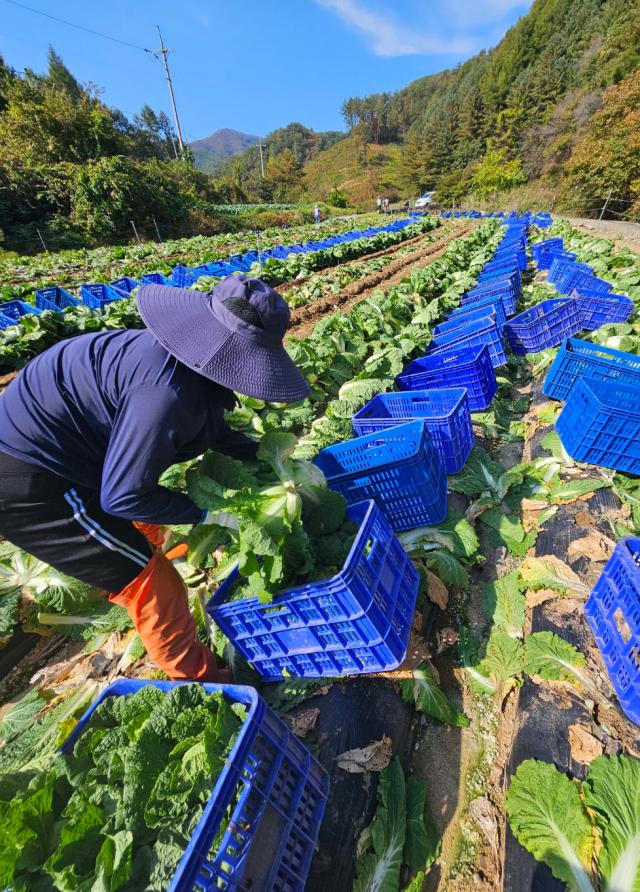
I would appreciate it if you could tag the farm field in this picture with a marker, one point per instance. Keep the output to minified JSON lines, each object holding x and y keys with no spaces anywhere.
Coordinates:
{"x":486,"y":747}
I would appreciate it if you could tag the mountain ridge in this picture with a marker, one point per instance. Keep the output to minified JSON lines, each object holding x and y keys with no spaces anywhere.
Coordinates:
{"x":212,"y":151}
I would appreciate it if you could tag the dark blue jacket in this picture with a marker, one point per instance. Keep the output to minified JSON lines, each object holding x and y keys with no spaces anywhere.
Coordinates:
{"x":111,"y":411}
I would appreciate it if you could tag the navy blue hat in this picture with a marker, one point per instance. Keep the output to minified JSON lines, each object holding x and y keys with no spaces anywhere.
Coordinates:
{"x":232,"y":335}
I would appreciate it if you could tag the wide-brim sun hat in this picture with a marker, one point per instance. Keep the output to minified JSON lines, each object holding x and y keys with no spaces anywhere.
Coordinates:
{"x":232,"y":335}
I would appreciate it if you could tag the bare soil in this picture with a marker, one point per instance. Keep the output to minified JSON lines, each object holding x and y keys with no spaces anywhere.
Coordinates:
{"x":304,"y":319}
{"x":384,"y":252}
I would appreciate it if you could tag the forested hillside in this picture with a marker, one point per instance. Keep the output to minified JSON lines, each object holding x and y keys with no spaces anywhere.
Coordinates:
{"x":518,"y":123}
{"x":211,"y":152}
{"x":527,"y":111}
{"x":286,"y":152}
{"x":77,"y":172}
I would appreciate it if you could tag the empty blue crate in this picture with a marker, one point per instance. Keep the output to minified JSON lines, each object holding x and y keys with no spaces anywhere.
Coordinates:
{"x":12,"y":311}
{"x":265,"y":807}
{"x":602,"y":308}
{"x":545,"y":325}
{"x":563,"y":267}
{"x":184,"y":276}
{"x":97,"y":295}
{"x":155,"y":279}
{"x":356,"y":622}
{"x":550,"y":244}
{"x":445,"y":412}
{"x":491,"y":309}
{"x":468,"y":367}
{"x":577,"y":359}
{"x":478,"y":331}
{"x":55,"y":299}
{"x":600,"y":424}
{"x":125,"y":283}
{"x":506,"y":304}
{"x":613,"y":612}
{"x":400,"y":468}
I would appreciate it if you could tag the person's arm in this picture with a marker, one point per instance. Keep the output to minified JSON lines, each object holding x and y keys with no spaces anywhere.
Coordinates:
{"x":149,"y":426}
{"x":234,"y":443}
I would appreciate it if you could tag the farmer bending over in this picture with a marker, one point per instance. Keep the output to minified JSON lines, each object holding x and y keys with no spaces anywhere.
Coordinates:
{"x":88,"y":427}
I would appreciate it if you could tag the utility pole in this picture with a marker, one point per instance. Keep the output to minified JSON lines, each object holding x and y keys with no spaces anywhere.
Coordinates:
{"x":261,"y":146}
{"x":162,"y":53}
{"x":604,"y":207}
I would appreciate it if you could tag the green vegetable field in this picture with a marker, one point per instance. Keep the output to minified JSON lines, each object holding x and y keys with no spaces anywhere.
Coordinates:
{"x":494,"y":751}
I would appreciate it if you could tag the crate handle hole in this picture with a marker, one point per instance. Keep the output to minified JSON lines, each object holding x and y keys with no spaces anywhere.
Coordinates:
{"x":270,"y":611}
{"x":622,"y":626}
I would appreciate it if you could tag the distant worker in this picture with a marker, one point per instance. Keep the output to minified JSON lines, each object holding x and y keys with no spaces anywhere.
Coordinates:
{"x":405,"y":207}
{"x":379,"y":203}
{"x":88,"y":427}
{"x":316,"y":214}
{"x":385,"y":205}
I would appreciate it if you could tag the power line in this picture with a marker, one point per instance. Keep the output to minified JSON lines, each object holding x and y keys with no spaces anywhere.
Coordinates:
{"x":54,"y":18}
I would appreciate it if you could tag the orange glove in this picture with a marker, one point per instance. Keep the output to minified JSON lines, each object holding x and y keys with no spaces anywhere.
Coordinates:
{"x":157,"y":603}
{"x":154,"y":533}
{"x":159,"y":536}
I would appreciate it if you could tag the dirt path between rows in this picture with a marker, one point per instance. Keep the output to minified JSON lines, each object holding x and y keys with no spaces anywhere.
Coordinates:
{"x":304,"y":319}
{"x":384,"y":252}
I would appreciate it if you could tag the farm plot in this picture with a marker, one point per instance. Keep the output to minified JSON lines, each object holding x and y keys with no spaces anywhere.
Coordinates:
{"x":20,"y":276}
{"x":432,"y":783}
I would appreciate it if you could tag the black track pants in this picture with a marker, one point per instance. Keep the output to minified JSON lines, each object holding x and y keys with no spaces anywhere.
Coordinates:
{"x":63,"y":525}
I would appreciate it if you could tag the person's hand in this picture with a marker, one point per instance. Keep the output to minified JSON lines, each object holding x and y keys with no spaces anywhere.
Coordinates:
{"x":154,"y":533}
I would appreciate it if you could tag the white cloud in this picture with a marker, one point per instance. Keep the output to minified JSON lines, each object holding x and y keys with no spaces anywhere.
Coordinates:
{"x":387,"y":38}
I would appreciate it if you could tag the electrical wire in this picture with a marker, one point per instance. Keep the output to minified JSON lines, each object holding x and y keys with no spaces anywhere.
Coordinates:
{"x":54,"y":18}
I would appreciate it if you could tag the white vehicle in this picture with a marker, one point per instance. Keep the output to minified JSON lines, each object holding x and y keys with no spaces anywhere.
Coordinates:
{"x":424,"y":200}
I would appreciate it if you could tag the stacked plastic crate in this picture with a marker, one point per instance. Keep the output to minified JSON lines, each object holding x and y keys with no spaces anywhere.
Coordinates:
{"x":600,"y":424}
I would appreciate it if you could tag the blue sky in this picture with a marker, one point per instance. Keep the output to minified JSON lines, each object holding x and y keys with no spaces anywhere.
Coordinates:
{"x":254,"y":65}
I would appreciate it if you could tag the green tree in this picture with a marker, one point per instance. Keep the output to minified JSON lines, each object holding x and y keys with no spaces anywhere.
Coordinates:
{"x":497,"y":173}
{"x":284,"y":176}
{"x":60,"y":77}
{"x":608,"y":156}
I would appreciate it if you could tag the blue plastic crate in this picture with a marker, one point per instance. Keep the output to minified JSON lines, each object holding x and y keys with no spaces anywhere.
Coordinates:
{"x":274,"y":789}
{"x":549,"y":244}
{"x":479,"y":331}
{"x":546,"y":258}
{"x":545,"y":325}
{"x":602,"y":308}
{"x":400,"y":468}
{"x":564,"y":267}
{"x":445,"y":412}
{"x":506,"y":303}
{"x":600,"y":424}
{"x":468,"y":367}
{"x":12,"y":311}
{"x":97,"y":295}
{"x":470,"y":313}
{"x":155,"y":279}
{"x":502,"y":270}
{"x":577,"y":359}
{"x":182,"y":276}
{"x":507,"y":289}
{"x":356,"y":622}
{"x":582,"y":280}
{"x":125,"y":283}
{"x":613,"y":612}
{"x":55,"y":298}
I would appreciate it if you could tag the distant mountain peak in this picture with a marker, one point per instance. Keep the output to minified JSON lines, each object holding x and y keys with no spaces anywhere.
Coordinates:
{"x":212,"y":151}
